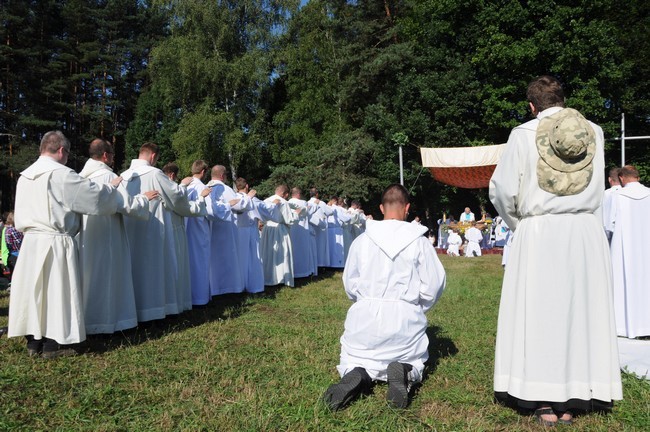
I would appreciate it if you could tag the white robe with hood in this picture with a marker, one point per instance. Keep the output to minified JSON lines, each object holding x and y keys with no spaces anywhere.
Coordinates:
{"x":474,"y":237}
{"x":394,"y":277}
{"x":197,"y":230}
{"x":631,"y":260}
{"x":105,"y":259}
{"x":47,"y":300}
{"x":155,"y":278}
{"x":556,"y":336}
{"x":275,"y":245}
{"x":303,"y":261}
{"x":319,"y":221}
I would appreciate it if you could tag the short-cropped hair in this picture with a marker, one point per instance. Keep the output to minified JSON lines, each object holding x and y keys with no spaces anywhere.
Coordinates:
{"x":395,"y":194}
{"x":545,"y":92}
{"x":52,"y":141}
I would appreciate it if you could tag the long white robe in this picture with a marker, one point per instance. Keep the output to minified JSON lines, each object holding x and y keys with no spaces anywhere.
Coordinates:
{"x":608,"y":196}
{"x":225,"y":271}
{"x":453,"y":244}
{"x":336,"y":239}
{"x":319,"y":220}
{"x":474,"y":237}
{"x":250,"y":257}
{"x":178,"y":260}
{"x":47,"y":299}
{"x":197,"y":230}
{"x":105,"y":259}
{"x":556,"y":337}
{"x":154,"y":276}
{"x":303,"y":264}
{"x":631,"y":260}
{"x":275,"y":246}
{"x":394,"y":277}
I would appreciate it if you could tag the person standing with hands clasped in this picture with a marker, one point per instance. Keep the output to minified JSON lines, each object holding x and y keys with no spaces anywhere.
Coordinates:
{"x":556,"y":349}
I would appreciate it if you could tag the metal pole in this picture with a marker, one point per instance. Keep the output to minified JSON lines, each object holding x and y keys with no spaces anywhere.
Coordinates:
{"x":622,"y":139}
{"x":401,"y":169}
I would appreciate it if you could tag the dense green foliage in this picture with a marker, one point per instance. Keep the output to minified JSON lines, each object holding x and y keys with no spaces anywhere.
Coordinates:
{"x":313,"y":94}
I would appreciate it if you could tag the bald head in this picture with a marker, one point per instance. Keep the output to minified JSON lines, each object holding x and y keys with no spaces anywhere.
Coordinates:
{"x":98,"y":148}
{"x":218,"y":172}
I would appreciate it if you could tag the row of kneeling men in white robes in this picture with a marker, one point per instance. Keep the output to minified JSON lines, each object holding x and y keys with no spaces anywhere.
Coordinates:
{"x":151,"y":247}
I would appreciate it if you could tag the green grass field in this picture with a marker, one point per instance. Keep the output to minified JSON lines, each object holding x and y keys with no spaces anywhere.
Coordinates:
{"x":261,"y":364}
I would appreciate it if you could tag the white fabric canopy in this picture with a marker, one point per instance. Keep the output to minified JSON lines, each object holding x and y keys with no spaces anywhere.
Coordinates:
{"x":455,"y":157}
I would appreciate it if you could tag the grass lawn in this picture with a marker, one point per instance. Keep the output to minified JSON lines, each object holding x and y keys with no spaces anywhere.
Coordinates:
{"x":261,"y":364}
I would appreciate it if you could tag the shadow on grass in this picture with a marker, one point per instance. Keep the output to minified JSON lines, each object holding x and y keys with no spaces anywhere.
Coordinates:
{"x":439,"y":348}
{"x":222,"y":307}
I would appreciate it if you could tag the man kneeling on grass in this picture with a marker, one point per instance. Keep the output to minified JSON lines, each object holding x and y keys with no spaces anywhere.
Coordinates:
{"x":393,"y":276}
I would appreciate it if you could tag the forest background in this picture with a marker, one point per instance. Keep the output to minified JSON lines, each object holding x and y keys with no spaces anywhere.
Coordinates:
{"x":313,"y":93}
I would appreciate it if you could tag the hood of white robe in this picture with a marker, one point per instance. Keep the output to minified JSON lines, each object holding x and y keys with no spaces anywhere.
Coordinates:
{"x":393,"y":236}
{"x":92,"y":167}
{"x":635,"y":191}
{"x":138,"y":167}
{"x":44,"y":164}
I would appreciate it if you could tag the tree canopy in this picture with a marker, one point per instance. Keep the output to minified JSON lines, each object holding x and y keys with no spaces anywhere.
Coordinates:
{"x":319,"y":94}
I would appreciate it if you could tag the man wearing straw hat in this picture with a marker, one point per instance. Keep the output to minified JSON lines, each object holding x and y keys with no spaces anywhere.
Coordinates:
{"x":556,"y":349}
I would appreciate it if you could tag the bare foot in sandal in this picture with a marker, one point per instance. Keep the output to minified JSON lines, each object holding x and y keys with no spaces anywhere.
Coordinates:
{"x":545,"y":416}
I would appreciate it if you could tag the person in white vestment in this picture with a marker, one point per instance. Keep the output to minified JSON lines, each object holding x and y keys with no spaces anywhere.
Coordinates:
{"x":393,"y":276}
{"x":46,"y":305}
{"x":630,"y":255}
{"x":453,"y":243}
{"x":104,"y":255}
{"x":556,"y":348}
{"x":335,"y":223}
{"x":299,"y":232}
{"x":467,"y":216}
{"x":250,"y":257}
{"x":275,"y":244}
{"x":152,"y":241}
{"x":321,"y":212}
{"x":608,"y":196}
{"x":223,"y":205}
{"x":197,"y":230}
{"x":176,"y":253}
{"x":358,"y":219}
{"x":474,"y":238}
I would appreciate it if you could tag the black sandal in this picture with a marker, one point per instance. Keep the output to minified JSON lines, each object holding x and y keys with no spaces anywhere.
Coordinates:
{"x":539,"y":412}
{"x":565,"y":422}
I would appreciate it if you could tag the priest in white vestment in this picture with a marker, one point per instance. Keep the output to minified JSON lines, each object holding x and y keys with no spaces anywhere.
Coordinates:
{"x":393,"y":277}
{"x":556,"y":347}
{"x":250,"y":257}
{"x":197,"y":230}
{"x":46,"y":304}
{"x":177,"y":254}
{"x":335,"y":223}
{"x":467,"y":216}
{"x":608,"y":197}
{"x":223,"y":203}
{"x":154,"y":279}
{"x":275,"y":244}
{"x":319,"y":220}
{"x":474,"y":238}
{"x":453,"y":243}
{"x":104,"y":255}
{"x":299,"y":232}
{"x":631,"y":255}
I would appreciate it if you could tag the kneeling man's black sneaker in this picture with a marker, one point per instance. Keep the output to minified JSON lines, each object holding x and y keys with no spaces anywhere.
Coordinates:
{"x":398,"y":384}
{"x":353,"y":383}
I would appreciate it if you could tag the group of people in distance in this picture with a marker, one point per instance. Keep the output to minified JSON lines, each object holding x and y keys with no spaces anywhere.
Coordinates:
{"x":556,"y":351}
{"x":106,"y":252}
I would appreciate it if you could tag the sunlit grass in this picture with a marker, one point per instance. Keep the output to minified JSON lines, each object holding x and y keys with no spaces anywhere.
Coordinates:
{"x":261,"y":364}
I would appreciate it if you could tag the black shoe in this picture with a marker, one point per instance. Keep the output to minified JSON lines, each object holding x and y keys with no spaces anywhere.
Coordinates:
{"x":34,"y":346}
{"x":355,"y":382}
{"x":3,"y":330}
{"x":398,"y":384}
{"x":52,"y":349}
